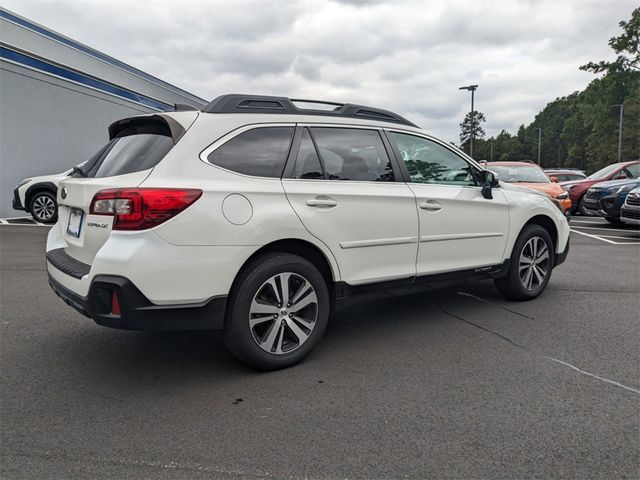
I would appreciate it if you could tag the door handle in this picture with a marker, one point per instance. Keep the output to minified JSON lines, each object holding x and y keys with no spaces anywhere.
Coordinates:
{"x":322,"y":202}
{"x":431,"y":205}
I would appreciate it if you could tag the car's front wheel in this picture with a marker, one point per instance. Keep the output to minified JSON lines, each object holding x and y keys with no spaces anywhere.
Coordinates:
{"x":43,"y":207}
{"x":277,"y":312}
{"x":530,"y":265}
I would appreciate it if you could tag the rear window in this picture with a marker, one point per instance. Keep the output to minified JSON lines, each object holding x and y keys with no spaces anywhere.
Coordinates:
{"x":136,"y":148}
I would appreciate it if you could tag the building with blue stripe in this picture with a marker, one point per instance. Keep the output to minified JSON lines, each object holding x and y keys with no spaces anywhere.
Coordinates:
{"x":57,"y":97}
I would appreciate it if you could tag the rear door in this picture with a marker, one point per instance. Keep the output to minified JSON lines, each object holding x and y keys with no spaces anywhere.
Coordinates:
{"x":136,"y":146}
{"x":344,"y":188}
{"x":459,"y":228}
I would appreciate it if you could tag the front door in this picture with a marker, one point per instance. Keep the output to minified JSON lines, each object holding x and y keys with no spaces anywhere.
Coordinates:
{"x":459,"y":228}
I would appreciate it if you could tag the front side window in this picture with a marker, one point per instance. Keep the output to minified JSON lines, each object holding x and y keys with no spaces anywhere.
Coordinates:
{"x":353,"y":154}
{"x":260,"y":152}
{"x":429,"y":162}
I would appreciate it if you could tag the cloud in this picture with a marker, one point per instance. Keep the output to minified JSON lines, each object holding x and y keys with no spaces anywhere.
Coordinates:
{"x":403,"y":55}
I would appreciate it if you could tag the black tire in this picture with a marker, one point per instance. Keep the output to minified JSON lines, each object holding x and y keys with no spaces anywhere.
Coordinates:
{"x":245,"y":342}
{"x":512,"y":285}
{"x":43,"y":207}
{"x":581,"y":208}
{"x":615,"y":221}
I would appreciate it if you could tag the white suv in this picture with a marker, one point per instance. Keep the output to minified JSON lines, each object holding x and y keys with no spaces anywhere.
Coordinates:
{"x":259,"y":217}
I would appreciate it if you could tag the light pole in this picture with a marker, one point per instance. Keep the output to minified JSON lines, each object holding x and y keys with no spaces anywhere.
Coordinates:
{"x":621,"y":105}
{"x":472,"y":89}
{"x":539,"y":143}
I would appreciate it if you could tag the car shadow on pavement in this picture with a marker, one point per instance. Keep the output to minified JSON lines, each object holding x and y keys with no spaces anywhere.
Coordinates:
{"x":118,"y":357}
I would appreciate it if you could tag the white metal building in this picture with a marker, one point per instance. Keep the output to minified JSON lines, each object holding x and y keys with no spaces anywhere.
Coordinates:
{"x":58,"y":96}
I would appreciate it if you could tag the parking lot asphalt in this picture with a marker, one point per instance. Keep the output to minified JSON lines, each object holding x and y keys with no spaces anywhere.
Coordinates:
{"x":454,"y":383}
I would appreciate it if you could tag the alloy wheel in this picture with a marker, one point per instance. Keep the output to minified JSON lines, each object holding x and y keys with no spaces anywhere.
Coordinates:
{"x":534,"y":263}
{"x":44,"y":208}
{"x":283,"y":313}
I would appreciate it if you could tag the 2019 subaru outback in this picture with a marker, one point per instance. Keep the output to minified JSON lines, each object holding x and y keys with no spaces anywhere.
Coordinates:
{"x":260,"y":217}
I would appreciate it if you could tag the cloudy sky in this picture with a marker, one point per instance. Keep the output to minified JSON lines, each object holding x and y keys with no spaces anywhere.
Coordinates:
{"x":406,"y":56}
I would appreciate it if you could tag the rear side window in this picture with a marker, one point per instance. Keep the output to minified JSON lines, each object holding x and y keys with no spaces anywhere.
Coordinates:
{"x":260,"y":152}
{"x":353,"y":154}
{"x":134,"y":149}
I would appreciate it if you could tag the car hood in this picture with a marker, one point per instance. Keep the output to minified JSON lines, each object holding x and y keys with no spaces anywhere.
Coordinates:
{"x":576,"y":182}
{"x":53,"y":178}
{"x":617,"y":183}
{"x":552,"y":189}
{"x":517,"y":187}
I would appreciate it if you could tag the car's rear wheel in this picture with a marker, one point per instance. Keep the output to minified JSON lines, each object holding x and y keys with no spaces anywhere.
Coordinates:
{"x":277,"y":312}
{"x":530,"y":265}
{"x":43,"y":207}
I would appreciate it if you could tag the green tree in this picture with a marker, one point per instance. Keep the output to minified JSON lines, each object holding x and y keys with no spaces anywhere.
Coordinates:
{"x":471,"y":125}
{"x":626,"y":46}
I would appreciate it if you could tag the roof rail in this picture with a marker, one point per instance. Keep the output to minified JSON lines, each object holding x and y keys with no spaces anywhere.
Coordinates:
{"x":239,"y":103}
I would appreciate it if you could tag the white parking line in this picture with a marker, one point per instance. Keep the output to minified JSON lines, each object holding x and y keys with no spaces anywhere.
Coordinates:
{"x":603,"y":239}
{"x":25,"y":225}
{"x":597,"y":220}
{"x":623,"y":238}
{"x":31,"y":222}
{"x":594,"y":236}
{"x":611,"y":229}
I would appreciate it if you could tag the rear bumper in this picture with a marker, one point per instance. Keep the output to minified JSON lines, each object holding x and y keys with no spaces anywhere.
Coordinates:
{"x":136,"y":311}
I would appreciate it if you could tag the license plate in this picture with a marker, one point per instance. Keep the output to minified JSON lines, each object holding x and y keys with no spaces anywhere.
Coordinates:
{"x":75,"y":222}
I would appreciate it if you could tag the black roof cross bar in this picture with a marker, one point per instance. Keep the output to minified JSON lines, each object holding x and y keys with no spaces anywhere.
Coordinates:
{"x":239,"y":103}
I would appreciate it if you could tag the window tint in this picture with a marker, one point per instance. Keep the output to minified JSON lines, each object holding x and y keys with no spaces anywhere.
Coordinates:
{"x":634,"y":170}
{"x":134,"y":149}
{"x":260,"y":152}
{"x":353,"y":154}
{"x":307,"y":162}
{"x":429,"y":162}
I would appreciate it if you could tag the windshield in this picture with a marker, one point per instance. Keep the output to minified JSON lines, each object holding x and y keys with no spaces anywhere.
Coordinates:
{"x":134,"y":149}
{"x":604,"y":173}
{"x":517,"y":173}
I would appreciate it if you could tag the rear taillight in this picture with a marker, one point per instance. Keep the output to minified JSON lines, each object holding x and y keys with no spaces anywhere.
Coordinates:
{"x":142,"y":208}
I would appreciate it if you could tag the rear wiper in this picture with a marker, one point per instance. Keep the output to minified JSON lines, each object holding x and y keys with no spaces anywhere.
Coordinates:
{"x":79,"y":171}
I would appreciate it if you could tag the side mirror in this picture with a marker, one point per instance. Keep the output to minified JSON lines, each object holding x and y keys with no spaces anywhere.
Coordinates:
{"x":489,"y":181}
{"x":553,"y":178}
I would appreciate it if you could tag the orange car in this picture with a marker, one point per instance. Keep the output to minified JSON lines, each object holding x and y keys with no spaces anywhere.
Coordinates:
{"x":530,"y":175}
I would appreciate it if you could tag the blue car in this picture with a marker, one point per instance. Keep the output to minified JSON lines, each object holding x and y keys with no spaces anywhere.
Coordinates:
{"x":606,"y":198}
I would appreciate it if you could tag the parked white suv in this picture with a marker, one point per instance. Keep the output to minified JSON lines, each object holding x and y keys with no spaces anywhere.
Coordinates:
{"x":37,"y":196}
{"x":260,"y":217}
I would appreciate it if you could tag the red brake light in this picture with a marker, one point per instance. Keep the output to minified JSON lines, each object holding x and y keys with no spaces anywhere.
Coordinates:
{"x":142,"y":208}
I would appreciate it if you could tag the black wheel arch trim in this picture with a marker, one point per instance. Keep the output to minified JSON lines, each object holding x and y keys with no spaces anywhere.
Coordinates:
{"x":37,"y":187}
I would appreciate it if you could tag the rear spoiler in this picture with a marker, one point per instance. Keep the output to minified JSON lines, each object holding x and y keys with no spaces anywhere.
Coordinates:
{"x":175,"y":128}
